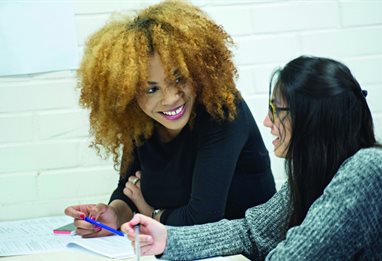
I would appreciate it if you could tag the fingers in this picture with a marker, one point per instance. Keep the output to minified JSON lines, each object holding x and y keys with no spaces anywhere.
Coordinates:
{"x":146,"y":239}
{"x":133,"y":185}
{"x":72,"y":212}
{"x":137,"y":219}
{"x":98,"y":210}
{"x":131,"y":190}
{"x":134,"y":180}
{"x":143,"y":239}
{"x":142,"y":220}
{"x":95,"y":232}
{"x":128,"y":228}
{"x":98,"y":233}
{"x":146,"y":247}
{"x":90,"y":231}
{"x":95,"y":212}
{"x":128,"y":192}
{"x":152,"y":235}
{"x":78,"y":211}
{"x":145,"y":243}
{"x":147,"y":250}
{"x":85,"y":229}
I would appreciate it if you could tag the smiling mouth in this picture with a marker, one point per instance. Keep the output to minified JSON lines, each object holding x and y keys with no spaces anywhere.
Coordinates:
{"x":276,"y":140}
{"x":174,"y":114}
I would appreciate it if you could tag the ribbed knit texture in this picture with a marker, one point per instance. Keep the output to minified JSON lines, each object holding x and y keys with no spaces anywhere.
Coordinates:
{"x":344,"y":223}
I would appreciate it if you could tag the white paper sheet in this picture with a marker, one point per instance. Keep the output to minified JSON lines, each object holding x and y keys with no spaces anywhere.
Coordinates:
{"x":113,"y":246}
{"x":32,"y":236}
{"x":37,"y":36}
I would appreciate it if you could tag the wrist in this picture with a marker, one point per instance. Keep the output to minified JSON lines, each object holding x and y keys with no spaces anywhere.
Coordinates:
{"x":155,"y":214}
{"x":122,"y":212}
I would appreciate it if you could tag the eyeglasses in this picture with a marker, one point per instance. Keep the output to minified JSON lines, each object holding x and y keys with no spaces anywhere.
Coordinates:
{"x":274,"y":110}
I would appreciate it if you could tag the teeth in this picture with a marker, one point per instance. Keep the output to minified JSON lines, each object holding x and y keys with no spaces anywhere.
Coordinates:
{"x":173,"y":113}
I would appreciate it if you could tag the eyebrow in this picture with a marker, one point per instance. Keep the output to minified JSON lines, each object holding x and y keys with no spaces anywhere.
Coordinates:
{"x":176,"y":73}
{"x":275,"y":102}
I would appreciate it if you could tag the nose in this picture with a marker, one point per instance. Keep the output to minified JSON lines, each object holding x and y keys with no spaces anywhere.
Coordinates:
{"x":267,"y":121}
{"x":170,"y":95}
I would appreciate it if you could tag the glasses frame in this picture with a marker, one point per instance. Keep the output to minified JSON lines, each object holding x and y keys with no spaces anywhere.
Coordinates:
{"x":273,"y":110}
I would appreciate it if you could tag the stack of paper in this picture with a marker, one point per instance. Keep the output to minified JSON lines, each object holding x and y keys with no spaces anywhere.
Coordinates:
{"x":31,"y":236}
{"x":113,"y":246}
{"x":36,"y":236}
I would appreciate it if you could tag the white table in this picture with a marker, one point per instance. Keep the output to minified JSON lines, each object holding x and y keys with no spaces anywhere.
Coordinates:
{"x":43,"y":228}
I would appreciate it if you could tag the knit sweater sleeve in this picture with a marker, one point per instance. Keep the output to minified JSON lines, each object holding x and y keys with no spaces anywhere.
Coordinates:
{"x":345,"y":220}
{"x":254,"y":236}
{"x":340,"y":224}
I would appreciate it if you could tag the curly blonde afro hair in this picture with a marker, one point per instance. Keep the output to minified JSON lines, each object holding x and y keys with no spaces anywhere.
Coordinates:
{"x":114,"y":69}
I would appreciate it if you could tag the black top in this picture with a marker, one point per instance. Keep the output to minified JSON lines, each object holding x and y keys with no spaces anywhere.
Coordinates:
{"x":213,"y":170}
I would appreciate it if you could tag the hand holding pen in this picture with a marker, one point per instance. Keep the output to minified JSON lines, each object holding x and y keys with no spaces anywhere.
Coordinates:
{"x":152,"y":235}
{"x":102,"y":212}
{"x":119,"y":233}
{"x":101,"y":225}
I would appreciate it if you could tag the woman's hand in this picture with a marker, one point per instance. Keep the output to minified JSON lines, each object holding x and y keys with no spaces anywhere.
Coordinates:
{"x":133,"y":191}
{"x":100,"y":212}
{"x":152,"y":236}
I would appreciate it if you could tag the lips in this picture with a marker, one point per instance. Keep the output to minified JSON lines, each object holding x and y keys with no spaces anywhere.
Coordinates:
{"x":276,"y":141}
{"x":174,"y":114}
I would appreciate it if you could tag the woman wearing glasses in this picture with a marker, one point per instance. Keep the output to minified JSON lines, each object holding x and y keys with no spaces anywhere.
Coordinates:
{"x":331,"y":206}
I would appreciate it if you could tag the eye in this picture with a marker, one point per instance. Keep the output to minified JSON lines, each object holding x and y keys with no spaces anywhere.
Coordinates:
{"x":179,"y":79}
{"x":152,"y":89}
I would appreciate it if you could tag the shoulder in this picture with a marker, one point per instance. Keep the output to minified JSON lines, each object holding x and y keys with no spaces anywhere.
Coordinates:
{"x":359,"y":174}
{"x":242,"y":123}
{"x":370,"y":153}
{"x":242,"y":113}
{"x":365,"y":160}
{"x":242,"y":108}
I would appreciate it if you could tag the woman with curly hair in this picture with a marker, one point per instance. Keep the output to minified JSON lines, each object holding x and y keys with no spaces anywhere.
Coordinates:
{"x":331,"y":206}
{"x":161,"y":92}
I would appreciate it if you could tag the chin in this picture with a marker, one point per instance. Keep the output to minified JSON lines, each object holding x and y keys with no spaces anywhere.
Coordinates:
{"x":280,"y":153}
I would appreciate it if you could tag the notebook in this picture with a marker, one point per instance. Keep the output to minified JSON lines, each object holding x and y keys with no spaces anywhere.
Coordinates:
{"x":116,"y":247}
{"x":47,"y":234}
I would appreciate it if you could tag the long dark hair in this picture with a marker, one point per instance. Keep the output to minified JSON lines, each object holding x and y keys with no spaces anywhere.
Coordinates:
{"x":330,"y":122}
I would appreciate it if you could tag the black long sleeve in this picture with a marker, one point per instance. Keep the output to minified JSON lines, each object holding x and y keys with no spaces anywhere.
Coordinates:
{"x":210,"y":171}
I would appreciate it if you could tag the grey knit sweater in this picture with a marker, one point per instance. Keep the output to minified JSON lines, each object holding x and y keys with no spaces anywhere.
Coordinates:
{"x":344,"y":223}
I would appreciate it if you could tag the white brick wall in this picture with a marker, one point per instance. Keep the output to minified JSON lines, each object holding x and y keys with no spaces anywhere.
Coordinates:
{"x":45,"y":162}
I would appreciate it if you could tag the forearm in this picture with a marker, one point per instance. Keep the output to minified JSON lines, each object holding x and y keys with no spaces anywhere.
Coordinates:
{"x":214,"y":239}
{"x":122,"y":211}
{"x":254,"y":236}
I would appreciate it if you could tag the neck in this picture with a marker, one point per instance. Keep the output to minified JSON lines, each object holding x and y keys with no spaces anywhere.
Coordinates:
{"x":166,"y":135}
